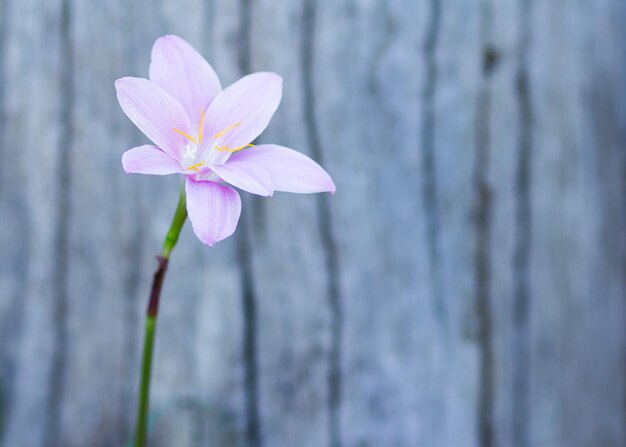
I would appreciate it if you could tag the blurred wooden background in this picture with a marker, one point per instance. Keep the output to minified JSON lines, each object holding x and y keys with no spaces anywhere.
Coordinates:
{"x":464,"y":287}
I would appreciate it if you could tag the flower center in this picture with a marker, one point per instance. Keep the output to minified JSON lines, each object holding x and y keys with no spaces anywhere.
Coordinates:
{"x":191,"y":149}
{"x":189,"y":137}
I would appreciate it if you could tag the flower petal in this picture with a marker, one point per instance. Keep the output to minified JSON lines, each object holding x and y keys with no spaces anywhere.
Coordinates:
{"x":154,"y":112}
{"x":240,"y":113}
{"x":247,"y":176}
{"x":213,"y":210}
{"x":182,"y":72}
{"x":291,"y":171}
{"x":149,"y":159}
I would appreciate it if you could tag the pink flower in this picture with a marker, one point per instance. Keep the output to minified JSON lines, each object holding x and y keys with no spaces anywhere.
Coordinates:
{"x":205,"y":133}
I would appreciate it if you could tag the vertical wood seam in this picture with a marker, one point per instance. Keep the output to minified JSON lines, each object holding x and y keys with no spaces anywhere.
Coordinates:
{"x":11,"y":321}
{"x":249,"y":348}
{"x":483,"y":222}
{"x":244,"y":258}
{"x":3,"y":68}
{"x":521,"y":255}
{"x":56,"y":383}
{"x":429,"y":164}
{"x":329,"y":244}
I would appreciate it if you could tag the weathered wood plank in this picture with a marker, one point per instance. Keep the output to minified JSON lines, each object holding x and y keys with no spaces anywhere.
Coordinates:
{"x":576,"y":298}
{"x":458,"y":151}
{"x":391,"y":378}
{"x":292,"y":280}
{"x":32,"y":227}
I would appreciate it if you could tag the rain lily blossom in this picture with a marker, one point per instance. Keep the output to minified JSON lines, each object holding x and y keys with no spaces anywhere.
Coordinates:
{"x":205,"y":133}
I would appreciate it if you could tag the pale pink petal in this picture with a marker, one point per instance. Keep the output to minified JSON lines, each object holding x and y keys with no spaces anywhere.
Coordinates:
{"x":291,"y":171}
{"x":240,"y":113}
{"x":213,"y":210}
{"x":182,"y":72}
{"x":149,"y":159}
{"x":247,"y":176}
{"x":154,"y":112}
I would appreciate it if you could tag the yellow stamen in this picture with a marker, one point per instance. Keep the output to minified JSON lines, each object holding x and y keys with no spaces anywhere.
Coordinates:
{"x":201,"y":124}
{"x":180,"y":132}
{"x":234,"y":149}
{"x":195,"y":167}
{"x":219,"y":134}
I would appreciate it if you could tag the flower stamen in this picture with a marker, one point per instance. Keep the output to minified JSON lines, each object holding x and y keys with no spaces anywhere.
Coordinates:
{"x":219,"y":134}
{"x":186,"y":135}
{"x":195,"y":167}
{"x":234,"y":149}
{"x":201,"y":125}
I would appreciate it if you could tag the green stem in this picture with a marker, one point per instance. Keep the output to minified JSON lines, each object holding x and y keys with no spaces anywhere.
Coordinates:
{"x":151,"y":317}
{"x":177,"y":223}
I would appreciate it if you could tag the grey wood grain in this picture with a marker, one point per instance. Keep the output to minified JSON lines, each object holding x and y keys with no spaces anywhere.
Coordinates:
{"x":464,"y":286}
{"x":294,"y":314}
{"x":32,"y":124}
